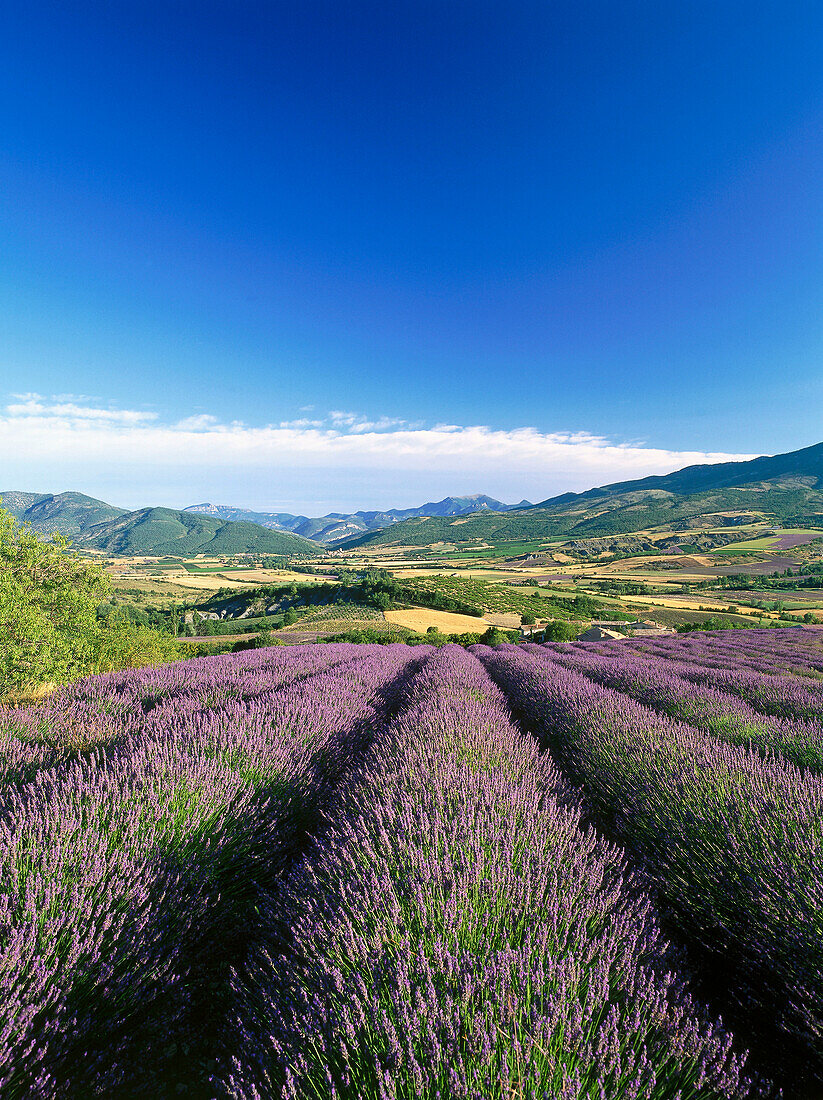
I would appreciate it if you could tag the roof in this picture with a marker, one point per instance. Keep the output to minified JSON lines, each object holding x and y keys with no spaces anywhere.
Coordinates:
{"x":600,"y":634}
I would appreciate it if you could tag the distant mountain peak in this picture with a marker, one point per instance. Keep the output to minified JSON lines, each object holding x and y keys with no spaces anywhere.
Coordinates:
{"x":338,"y":525}
{"x":778,"y":488}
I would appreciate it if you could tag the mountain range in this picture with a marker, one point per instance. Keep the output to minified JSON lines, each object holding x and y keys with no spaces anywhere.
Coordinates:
{"x":339,"y":525}
{"x":209,"y":528}
{"x":778,"y":488}
{"x":94,"y":525}
{"x":784,"y":488}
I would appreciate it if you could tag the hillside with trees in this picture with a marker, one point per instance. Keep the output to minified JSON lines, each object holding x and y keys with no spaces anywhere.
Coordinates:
{"x":159,"y":531}
{"x":69,"y":513}
{"x":773,"y":489}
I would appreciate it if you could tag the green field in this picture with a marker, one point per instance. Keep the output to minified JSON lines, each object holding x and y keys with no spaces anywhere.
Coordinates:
{"x":497,"y":550}
{"x":208,"y":569}
{"x":746,"y":549}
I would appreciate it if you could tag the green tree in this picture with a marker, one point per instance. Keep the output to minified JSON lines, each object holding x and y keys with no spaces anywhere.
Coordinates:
{"x":290,"y":618}
{"x":562,"y":631}
{"x":48,"y":608}
{"x":124,"y":643}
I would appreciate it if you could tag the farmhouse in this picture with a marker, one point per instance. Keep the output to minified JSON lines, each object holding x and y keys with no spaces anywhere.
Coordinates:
{"x":645,"y":626}
{"x":600,"y":634}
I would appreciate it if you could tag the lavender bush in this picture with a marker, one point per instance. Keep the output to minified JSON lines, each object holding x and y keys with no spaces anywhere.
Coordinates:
{"x":456,"y":933}
{"x":346,"y":871}
{"x":667,"y":688}
{"x":122,"y":876}
{"x":732,"y":841}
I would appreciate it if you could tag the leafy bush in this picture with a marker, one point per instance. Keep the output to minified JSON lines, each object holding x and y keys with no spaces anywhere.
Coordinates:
{"x":52,"y":632}
{"x":122,"y":643}
{"x":48,"y":608}
{"x":716,"y":622}
{"x":560,"y":631}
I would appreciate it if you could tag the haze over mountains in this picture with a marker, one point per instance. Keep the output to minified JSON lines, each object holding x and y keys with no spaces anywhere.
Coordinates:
{"x":339,"y":525}
{"x":780,"y":488}
{"x":776,"y":488}
{"x":208,"y":528}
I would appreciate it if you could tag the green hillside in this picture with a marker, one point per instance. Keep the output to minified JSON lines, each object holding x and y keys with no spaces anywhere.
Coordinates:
{"x":69,"y":513}
{"x":161,"y":531}
{"x":773,"y":489}
{"x":806,"y":464}
{"x":482,"y":526}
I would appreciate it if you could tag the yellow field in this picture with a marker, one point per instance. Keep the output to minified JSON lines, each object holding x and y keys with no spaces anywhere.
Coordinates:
{"x":445,"y":571}
{"x":509,"y":620}
{"x":448,"y":622}
{"x":208,"y":582}
{"x":271,"y":576}
{"x":180,"y":583}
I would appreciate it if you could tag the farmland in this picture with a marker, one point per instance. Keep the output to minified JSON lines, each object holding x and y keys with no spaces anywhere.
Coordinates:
{"x":407,"y":871}
{"x":675,"y":574}
{"x":447,"y":622}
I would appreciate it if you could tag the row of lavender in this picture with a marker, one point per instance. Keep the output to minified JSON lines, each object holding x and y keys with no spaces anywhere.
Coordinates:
{"x":102,"y":712}
{"x":131,"y":861}
{"x":775,"y":714}
{"x":730,"y":835}
{"x":797,"y":651}
{"x":456,"y":932}
{"x":456,"y":927}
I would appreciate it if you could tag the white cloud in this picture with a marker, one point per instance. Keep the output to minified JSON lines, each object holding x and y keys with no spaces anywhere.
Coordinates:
{"x":302,"y":423}
{"x":349,"y":459}
{"x":67,"y":411}
{"x":197,"y":423}
{"x":381,"y":425}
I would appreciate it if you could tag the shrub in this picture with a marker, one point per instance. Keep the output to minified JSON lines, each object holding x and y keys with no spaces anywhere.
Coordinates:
{"x":125,"y":644}
{"x":562,"y":631}
{"x":48,"y":608}
{"x":56,"y":625}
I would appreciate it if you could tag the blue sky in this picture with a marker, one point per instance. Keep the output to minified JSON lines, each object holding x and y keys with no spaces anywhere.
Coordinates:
{"x":331,"y":255}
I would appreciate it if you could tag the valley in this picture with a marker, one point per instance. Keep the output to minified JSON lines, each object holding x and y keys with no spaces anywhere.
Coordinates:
{"x":741,"y":581}
{"x":733,"y":541}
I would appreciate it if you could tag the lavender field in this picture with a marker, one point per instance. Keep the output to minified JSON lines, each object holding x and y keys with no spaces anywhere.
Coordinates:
{"x":566,"y":871}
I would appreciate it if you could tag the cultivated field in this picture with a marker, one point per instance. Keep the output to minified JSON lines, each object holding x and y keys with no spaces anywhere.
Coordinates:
{"x":447,"y":622}
{"x":346,"y":871}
